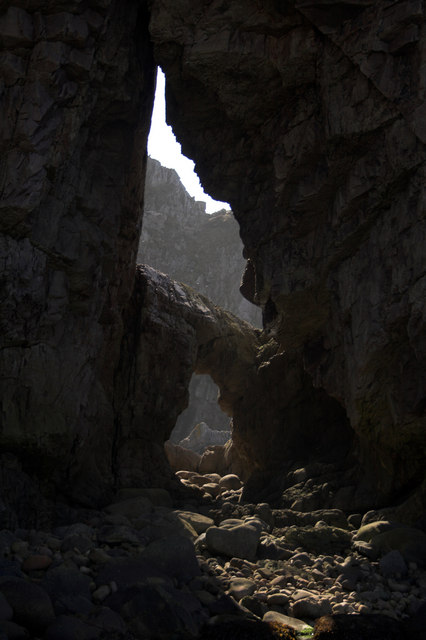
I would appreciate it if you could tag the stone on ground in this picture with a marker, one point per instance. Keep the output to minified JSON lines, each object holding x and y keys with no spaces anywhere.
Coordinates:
{"x":295,"y":623}
{"x":175,"y":556}
{"x":239,"y":540}
{"x":230,"y":481}
{"x":180,"y":458}
{"x":197,"y":521}
{"x":31,"y":605}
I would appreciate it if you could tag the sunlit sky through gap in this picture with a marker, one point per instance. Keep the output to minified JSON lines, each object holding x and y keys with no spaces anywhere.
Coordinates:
{"x":162,"y":146}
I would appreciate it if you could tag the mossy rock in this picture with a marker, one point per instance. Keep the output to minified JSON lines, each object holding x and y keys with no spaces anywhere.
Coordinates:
{"x":371,"y":530}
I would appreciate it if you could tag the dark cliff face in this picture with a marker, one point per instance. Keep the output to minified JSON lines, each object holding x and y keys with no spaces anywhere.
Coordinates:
{"x":204,"y":251}
{"x":308,"y":119}
{"x":77,"y":91}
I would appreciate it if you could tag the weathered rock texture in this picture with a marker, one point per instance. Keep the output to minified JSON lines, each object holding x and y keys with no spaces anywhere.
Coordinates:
{"x":77,"y":88}
{"x":309,"y":119}
{"x":88,"y":389}
{"x":202,"y":407}
{"x":202,"y":436}
{"x":204,"y":251}
{"x":180,"y":239}
{"x":172,"y":332}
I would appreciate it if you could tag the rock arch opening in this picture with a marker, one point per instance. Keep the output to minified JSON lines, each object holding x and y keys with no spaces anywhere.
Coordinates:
{"x":203,"y":251}
{"x":203,"y":408}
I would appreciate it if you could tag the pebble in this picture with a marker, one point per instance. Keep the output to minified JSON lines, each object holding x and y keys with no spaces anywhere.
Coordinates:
{"x":240,"y":587}
{"x":101,"y":593}
{"x":85,"y":576}
{"x":36,"y":563}
{"x":275,"y":599}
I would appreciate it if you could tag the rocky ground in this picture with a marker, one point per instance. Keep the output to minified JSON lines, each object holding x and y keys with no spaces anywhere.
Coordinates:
{"x":206,"y":565}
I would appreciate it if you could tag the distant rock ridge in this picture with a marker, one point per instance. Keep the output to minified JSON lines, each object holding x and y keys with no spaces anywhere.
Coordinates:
{"x":203,"y":251}
{"x":180,"y":239}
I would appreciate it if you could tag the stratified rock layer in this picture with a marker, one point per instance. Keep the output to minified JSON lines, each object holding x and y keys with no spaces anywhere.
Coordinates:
{"x":308,"y":118}
{"x":94,"y":362}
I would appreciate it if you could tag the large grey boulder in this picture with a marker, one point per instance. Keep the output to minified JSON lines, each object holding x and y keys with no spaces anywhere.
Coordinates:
{"x":237,"y":539}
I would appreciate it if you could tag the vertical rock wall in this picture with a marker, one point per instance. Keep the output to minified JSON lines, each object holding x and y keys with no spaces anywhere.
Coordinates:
{"x":76,"y":97}
{"x":308,"y":118}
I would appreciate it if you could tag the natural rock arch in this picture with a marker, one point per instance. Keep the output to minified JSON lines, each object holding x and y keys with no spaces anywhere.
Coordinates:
{"x":293,"y":115}
{"x":176,"y":332}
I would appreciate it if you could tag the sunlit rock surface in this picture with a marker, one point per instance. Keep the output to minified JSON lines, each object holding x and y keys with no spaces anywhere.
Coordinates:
{"x":173,"y":331}
{"x":308,"y":118}
{"x":204,"y":251}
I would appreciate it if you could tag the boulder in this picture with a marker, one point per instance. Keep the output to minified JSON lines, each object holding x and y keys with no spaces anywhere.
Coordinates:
{"x":392,"y":563}
{"x":202,"y":437}
{"x":213,"y":460}
{"x":237,"y":539}
{"x":410,"y":542}
{"x":175,"y":555}
{"x":294,"y":623}
{"x":196,"y":520}
{"x":157,"y":496}
{"x":311,"y":607}
{"x":368,"y":531}
{"x":130,"y":572}
{"x":32,"y":606}
{"x":319,"y":539}
{"x":180,"y":458}
{"x":161,"y":611}
{"x":67,"y":627}
{"x":131,"y":508}
{"x":240,"y":587}
{"x":230,"y":481}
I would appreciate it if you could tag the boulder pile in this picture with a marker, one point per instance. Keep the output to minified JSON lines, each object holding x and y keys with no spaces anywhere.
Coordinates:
{"x":156,"y":566}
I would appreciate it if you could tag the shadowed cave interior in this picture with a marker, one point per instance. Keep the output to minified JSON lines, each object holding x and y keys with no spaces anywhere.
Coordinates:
{"x":309,"y":121}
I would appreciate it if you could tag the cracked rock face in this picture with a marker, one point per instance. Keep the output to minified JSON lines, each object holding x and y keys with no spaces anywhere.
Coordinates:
{"x":308,"y":118}
{"x":76,"y":97}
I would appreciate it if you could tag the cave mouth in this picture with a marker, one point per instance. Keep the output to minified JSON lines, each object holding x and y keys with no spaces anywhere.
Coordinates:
{"x":202,"y":409}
